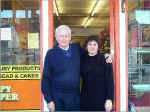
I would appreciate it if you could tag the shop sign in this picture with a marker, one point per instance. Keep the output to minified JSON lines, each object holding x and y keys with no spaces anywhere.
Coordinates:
{"x":13,"y":72}
{"x":7,"y":95}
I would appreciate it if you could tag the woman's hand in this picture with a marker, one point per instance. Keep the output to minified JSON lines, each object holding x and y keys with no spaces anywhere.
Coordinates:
{"x":51,"y":106}
{"x":108,"y":105}
{"x":108,"y":58}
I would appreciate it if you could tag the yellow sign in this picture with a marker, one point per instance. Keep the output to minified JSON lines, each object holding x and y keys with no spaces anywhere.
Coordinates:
{"x":33,"y":40}
{"x":10,"y":72}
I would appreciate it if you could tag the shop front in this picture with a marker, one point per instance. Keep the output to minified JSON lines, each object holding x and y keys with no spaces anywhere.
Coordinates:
{"x":26,"y":33}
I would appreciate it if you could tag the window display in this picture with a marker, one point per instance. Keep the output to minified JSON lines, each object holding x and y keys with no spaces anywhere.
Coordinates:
{"x":19,"y":55}
{"x":139,"y":56}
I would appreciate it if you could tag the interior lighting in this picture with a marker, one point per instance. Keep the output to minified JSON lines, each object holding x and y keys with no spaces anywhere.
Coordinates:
{"x":55,"y":7}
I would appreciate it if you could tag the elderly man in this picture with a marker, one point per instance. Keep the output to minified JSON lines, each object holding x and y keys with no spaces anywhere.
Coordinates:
{"x":61,"y":74}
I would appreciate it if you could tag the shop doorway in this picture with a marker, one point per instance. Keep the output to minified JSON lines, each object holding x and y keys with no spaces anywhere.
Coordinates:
{"x":88,"y":17}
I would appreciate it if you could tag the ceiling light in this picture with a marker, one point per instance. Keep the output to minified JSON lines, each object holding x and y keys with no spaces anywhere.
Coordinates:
{"x":87,"y":22}
{"x":92,"y":12}
{"x":95,"y":8}
{"x":55,"y":7}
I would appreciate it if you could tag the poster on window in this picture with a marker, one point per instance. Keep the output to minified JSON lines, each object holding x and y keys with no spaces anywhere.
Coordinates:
{"x":5,"y":33}
{"x":33,"y":40}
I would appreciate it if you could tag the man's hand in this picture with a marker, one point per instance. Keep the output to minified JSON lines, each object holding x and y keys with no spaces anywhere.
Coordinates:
{"x":108,"y":105}
{"x":108,"y":58}
{"x":51,"y":106}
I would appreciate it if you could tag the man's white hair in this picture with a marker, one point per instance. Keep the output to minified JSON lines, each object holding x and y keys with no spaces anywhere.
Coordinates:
{"x":62,"y":27}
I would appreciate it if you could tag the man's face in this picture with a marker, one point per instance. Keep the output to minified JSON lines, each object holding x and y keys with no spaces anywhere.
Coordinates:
{"x":63,"y":38}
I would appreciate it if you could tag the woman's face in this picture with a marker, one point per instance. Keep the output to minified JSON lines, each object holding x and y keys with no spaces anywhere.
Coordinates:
{"x":92,"y":47}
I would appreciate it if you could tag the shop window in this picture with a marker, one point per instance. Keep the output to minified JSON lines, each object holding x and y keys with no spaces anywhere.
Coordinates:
{"x":6,"y":14}
{"x":20,"y":14}
{"x":19,"y":55}
{"x":139,"y":54}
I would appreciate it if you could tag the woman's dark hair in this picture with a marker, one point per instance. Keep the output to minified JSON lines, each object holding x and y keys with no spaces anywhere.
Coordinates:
{"x":93,"y":38}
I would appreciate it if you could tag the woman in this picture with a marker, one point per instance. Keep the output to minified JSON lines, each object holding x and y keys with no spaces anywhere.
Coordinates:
{"x":97,"y":91}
